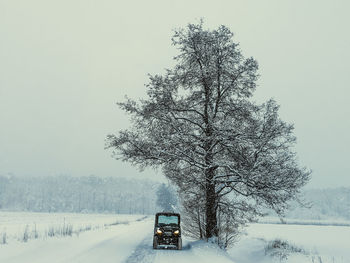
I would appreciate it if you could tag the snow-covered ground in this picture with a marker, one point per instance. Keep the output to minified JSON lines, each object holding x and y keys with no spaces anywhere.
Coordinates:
{"x":19,"y":226}
{"x":127,"y":242}
{"x":313,"y":243}
{"x":125,"y":238}
{"x":112,"y":243}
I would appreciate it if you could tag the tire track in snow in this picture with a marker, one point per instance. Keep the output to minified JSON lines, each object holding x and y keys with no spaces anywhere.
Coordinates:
{"x":143,"y":253}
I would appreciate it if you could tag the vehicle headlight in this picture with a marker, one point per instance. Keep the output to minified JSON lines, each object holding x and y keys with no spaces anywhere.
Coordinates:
{"x":176,"y":232}
{"x":159,"y":231}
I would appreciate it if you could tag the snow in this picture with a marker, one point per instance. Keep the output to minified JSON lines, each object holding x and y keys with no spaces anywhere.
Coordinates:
{"x":328,"y":243}
{"x":131,"y":242}
{"x":199,"y":251}
{"x":293,"y":221}
{"x":109,"y":244}
{"x":14,"y":224}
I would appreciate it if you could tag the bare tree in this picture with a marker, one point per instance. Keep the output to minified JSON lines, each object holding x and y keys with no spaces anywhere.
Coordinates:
{"x":210,"y":139}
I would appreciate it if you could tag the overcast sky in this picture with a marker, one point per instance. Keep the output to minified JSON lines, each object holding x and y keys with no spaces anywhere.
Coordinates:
{"x":65,"y":63}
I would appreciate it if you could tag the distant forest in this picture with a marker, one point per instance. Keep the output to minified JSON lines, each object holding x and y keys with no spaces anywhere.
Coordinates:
{"x":93,"y":194}
{"x":326,"y":204}
{"x":90,"y":194}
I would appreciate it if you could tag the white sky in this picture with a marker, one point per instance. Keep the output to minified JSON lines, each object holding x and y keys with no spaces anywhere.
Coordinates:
{"x":64,"y":64}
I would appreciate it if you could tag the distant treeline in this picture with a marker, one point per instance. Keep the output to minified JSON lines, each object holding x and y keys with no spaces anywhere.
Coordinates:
{"x":93,"y":194}
{"x":78,"y":194}
{"x":326,"y":204}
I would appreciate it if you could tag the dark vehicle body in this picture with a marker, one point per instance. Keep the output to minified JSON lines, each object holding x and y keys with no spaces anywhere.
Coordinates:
{"x":167,"y":231}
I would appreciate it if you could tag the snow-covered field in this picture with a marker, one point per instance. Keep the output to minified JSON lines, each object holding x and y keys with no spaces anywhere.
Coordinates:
{"x":293,"y":244}
{"x":128,"y":238}
{"x":24,"y":226}
{"x":291,"y":221}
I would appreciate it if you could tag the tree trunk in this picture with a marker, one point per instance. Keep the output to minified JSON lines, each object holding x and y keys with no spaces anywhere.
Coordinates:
{"x":211,"y":229}
{"x":211,"y":220}
{"x":210,"y":203}
{"x":199,"y":224}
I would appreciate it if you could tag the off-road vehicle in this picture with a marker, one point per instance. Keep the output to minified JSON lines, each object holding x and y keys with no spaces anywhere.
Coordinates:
{"x":167,"y":231}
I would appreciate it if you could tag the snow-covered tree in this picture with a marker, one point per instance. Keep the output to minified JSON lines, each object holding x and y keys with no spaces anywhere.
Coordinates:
{"x":199,"y":124}
{"x":166,"y":198}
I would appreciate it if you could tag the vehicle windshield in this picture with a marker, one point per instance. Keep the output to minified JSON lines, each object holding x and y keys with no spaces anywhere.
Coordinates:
{"x":168,"y":220}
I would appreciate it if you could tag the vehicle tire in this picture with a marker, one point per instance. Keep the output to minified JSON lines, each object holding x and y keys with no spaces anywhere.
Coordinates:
{"x":155,"y":242}
{"x":179,"y":244}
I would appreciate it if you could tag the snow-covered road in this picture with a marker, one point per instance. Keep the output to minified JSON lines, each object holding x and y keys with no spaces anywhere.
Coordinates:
{"x":114,"y":244}
{"x":129,"y":243}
